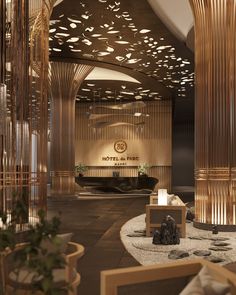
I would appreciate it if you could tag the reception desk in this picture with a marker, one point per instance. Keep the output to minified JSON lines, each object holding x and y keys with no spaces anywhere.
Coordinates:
{"x":120,"y":185}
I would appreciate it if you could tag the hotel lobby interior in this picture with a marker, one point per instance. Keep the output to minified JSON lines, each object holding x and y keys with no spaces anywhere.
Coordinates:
{"x":117,"y":147}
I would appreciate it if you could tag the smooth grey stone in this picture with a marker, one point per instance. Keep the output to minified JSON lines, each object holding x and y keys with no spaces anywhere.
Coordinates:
{"x":220,"y":244}
{"x":214,"y":259}
{"x":195,"y":238}
{"x":177,"y":254}
{"x":219,"y":239}
{"x":143,"y":231}
{"x":202,"y":253}
{"x":220,"y":248}
{"x":136,"y":235}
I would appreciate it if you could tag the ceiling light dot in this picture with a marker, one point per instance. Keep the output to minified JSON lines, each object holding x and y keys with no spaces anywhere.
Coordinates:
{"x":110,"y":49}
{"x":113,"y":32}
{"x":73,"y":39}
{"x":120,"y":58}
{"x":96,"y":35}
{"x":76,"y":50}
{"x":134,"y":60}
{"x":144,"y":31}
{"x":85,"y":16}
{"x":87,"y":42}
{"x":103,"y":53}
{"x":89,"y":29}
{"x":63,"y":28}
{"x":56,"y":49}
{"x":122,"y":42}
{"x":73,"y":20}
{"x":73,"y":25}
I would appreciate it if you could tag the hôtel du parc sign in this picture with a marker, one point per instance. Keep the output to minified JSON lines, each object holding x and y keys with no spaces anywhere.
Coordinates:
{"x":120,"y":147}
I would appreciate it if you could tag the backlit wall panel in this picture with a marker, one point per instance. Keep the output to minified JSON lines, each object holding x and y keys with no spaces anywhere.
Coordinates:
{"x":150,"y":142}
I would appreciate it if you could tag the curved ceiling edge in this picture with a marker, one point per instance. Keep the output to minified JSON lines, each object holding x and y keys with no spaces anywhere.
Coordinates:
{"x":141,"y":77}
{"x":176,"y":15}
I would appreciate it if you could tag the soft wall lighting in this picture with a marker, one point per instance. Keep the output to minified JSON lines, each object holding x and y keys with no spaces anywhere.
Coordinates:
{"x":137,"y":114}
{"x":162,"y":197}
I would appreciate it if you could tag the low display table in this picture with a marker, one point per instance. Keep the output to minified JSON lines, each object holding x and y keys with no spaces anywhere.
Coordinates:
{"x":156,"y":213}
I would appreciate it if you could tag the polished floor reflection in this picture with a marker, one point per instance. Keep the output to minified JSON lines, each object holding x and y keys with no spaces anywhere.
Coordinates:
{"x":96,"y":224}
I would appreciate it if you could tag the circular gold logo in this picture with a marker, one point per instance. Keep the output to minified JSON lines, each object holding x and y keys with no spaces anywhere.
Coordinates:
{"x":120,"y":146}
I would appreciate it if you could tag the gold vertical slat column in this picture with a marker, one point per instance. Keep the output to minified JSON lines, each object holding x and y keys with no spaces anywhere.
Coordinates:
{"x":41,"y":11}
{"x":2,"y":40}
{"x":19,"y":94}
{"x":215,"y":112}
{"x":24,"y":27}
{"x":65,"y":81}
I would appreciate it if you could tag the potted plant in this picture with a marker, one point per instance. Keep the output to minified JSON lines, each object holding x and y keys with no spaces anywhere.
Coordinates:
{"x":8,"y":240}
{"x":142,"y":169}
{"x":33,"y":257}
{"x":7,"y":243}
{"x":28,"y":257}
{"x":80,"y":169}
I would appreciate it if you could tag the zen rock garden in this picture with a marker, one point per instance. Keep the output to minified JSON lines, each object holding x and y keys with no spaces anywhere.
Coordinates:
{"x":168,"y":234}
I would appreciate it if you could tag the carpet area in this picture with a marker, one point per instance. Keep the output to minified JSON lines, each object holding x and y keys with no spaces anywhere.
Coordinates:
{"x":141,"y":247}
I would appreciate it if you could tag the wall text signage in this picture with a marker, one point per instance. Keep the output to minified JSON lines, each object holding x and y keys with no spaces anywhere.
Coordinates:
{"x":119,"y":161}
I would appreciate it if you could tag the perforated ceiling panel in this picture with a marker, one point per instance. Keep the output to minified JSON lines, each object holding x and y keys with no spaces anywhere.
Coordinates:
{"x":123,"y":33}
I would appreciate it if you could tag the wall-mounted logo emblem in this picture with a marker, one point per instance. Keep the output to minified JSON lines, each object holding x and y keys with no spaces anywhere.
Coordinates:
{"x":120,"y":146}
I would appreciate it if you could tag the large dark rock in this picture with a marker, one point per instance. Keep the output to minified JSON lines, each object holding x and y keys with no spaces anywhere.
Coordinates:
{"x":177,"y":254}
{"x":168,"y":234}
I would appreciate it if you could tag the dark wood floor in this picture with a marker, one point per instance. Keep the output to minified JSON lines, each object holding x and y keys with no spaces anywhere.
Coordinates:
{"x":96,"y":224}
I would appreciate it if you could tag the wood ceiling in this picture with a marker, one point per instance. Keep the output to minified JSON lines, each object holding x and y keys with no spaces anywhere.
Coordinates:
{"x":127,"y":36}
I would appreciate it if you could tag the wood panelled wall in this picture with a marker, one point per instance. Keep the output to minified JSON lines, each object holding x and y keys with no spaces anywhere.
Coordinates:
{"x":155,"y":138}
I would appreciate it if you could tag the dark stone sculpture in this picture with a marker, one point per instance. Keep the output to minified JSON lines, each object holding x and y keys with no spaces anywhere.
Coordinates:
{"x":168,"y":234}
{"x":156,"y":238}
{"x":215,"y":229}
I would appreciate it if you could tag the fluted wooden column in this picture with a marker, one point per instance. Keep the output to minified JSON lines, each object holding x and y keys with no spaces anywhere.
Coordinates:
{"x":2,"y":40}
{"x":65,"y":81}
{"x":215,"y":112}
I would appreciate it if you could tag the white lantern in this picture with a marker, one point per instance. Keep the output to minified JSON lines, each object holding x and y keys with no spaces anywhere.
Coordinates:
{"x":162,"y":197}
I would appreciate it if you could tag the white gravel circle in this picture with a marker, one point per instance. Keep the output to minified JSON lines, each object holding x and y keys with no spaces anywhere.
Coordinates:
{"x":142,"y":249}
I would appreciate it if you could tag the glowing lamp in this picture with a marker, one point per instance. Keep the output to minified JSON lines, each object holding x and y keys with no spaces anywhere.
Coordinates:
{"x":162,"y":197}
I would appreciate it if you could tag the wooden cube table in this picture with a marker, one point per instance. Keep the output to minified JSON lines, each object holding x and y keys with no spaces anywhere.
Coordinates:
{"x":155,"y":215}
